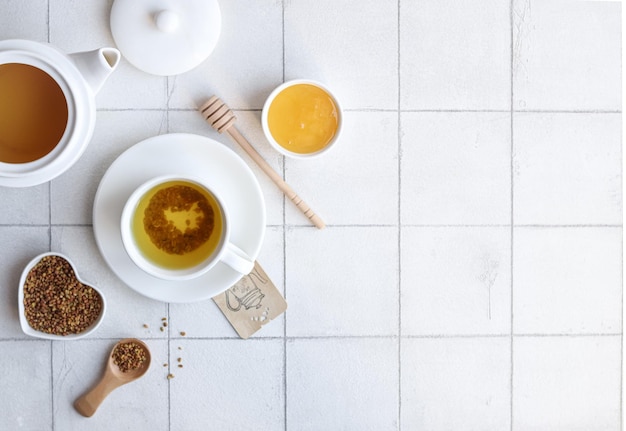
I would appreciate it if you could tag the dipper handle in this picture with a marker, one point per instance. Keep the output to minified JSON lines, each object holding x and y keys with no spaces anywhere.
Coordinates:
{"x":222,"y":119}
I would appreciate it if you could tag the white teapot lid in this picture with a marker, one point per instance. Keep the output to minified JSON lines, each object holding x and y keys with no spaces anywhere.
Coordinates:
{"x":166,"y":37}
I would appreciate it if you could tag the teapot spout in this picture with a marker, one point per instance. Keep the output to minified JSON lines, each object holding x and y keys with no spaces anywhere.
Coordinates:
{"x":96,"y":65}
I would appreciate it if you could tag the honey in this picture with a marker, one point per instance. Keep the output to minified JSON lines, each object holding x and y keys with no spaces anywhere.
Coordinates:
{"x":33,"y":113}
{"x":303,"y":118}
{"x":177,"y":225}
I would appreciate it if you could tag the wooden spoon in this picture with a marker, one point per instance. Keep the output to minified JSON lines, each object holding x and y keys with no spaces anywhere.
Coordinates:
{"x":113,"y":378}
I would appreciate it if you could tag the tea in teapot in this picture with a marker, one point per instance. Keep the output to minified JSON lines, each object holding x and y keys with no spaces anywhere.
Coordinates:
{"x":33,"y":113}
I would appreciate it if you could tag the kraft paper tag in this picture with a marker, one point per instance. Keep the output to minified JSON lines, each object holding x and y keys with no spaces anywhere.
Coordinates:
{"x":251,"y":303}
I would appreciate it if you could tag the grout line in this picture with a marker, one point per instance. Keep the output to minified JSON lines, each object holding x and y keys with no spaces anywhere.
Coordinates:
{"x":283,"y":38}
{"x":566,"y":226}
{"x":453,"y":111}
{"x":94,"y":339}
{"x":350,"y":337}
{"x":621,"y":376}
{"x":565,"y":335}
{"x":521,"y":335}
{"x":512,"y":208}
{"x":49,"y":187}
{"x":48,"y":21}
{"x":507,"y":111}
{"x":284,"y":230}
{"x":399,"y":147}
{"x":284,"y":337}
{"x":453,"y":336}
{"x":382,"y":225}
{"x":28,"y":224}
{"x":415,"y":336}
{"x":503,"y":335}
{"x":621,"y":162}
{"x":454,"y":225}
{"x":52,"y":384}
{"x":566,"y":111}
{"x":415,"y":111}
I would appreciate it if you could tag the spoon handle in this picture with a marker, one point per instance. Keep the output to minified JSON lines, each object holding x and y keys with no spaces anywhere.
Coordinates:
{"x":89,"y":402}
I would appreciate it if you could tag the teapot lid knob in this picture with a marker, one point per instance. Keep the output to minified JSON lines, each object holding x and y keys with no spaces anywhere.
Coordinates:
{"x":165,"y":37}
{"x":167,"y":21}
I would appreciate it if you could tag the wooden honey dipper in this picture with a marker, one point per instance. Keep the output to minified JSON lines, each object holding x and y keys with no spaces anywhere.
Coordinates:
{"x":222,"y":119}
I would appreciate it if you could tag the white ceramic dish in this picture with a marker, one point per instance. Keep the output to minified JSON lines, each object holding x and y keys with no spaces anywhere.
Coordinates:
{"x":172,"y":154}
{"x":268,"y":133}
{"x":28,"y":330}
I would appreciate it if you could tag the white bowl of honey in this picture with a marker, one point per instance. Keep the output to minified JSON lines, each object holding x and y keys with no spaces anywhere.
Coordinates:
{"x":302,"y":119}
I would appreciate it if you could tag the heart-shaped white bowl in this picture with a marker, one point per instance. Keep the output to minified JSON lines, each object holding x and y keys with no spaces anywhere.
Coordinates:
{"x":29,"y":330}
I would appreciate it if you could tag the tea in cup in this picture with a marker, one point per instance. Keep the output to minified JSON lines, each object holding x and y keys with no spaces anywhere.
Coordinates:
{"x":177,"y":228}
{"x":302,"y":118}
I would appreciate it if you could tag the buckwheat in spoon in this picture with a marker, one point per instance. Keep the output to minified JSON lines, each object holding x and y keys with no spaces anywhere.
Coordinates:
{"x":222,"y":119}
{"x":129,"y":360}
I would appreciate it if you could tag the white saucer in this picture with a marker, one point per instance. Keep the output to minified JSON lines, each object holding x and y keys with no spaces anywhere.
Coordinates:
{"x":188,"y":154}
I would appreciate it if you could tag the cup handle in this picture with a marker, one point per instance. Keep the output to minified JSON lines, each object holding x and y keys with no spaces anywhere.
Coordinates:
{"x":237,"y":259}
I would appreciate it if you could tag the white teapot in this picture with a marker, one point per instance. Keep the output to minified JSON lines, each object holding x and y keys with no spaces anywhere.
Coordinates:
{"x":47,"y":108}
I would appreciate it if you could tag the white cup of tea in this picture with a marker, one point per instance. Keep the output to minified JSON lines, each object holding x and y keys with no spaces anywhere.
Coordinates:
{"x":177,"y":228}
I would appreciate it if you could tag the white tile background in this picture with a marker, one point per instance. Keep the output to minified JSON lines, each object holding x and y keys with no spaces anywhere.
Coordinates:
{"x":470,"y":277}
